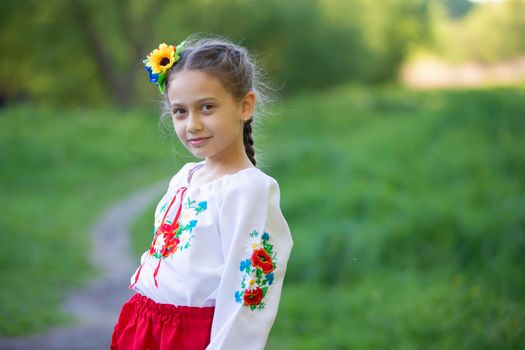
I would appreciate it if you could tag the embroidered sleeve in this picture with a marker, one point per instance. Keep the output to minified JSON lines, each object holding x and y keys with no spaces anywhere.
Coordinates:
{"x":257,"y":270}
{"x":256,"y":244}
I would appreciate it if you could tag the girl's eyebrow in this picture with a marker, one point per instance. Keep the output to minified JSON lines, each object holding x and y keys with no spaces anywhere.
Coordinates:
{"x":200,"y":100}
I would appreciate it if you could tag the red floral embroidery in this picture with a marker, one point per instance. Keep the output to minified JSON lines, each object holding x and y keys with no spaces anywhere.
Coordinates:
{"x":253,"y":297}
{"x":263,"y":260}
{"x":258,"y":271}
{"x":167,"y":233}
{"x":171,"y":236}
{"x":165,"y":241}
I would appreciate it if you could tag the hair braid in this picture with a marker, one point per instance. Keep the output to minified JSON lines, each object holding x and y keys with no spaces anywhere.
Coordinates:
{"x":248,"y":140}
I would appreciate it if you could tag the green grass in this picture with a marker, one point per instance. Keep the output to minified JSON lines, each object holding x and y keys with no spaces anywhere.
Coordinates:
{"x":406,"y":211}
{"x":59,"y":171}
{"x":400,"y":193}
{"x":400,"y":309}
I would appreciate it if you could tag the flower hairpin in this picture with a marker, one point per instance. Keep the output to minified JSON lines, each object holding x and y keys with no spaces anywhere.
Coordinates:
{"x":159,"y":61}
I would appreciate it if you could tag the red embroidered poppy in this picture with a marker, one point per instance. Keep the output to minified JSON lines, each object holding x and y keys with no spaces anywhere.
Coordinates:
{"x":171,"y":241}
{"x":171,"y":246}
{"x":263,"y":260}
{"x":253,"y":297}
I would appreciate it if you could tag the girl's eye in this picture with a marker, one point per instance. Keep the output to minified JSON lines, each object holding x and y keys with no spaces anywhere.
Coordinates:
{"x":178,"y":111}
{"x":207,"y":107}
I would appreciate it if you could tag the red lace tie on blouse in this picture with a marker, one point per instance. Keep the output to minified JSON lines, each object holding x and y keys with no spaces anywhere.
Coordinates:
{"x":169,"y":231}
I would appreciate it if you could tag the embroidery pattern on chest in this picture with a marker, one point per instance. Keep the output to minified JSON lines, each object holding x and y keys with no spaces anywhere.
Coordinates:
{"x":170,"y":236}
{"x":257,"y":271}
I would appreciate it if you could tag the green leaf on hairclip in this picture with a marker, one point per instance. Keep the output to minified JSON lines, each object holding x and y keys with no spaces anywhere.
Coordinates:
{"x":160,"y":82}
{"x":180,"y":47}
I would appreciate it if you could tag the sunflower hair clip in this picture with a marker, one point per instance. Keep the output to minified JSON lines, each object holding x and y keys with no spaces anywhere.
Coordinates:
{"x":159,"y":61}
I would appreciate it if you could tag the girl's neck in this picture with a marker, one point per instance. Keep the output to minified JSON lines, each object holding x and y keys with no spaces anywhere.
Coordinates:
{"x":223,"y":168}
{"x":203,"y":174}
{"x":229,"y":161}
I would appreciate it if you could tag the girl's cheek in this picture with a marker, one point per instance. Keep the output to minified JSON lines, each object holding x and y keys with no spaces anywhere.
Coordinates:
{"x":179,"y":130}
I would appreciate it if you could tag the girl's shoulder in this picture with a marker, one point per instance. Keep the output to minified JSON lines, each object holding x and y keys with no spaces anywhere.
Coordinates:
{"x":252,"y":182}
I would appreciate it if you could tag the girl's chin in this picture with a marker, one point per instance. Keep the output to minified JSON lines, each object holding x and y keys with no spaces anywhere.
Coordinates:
{"x":199,"y":153}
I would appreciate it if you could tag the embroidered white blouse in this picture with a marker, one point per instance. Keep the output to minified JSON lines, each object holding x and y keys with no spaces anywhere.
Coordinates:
{"x":226,"y":245}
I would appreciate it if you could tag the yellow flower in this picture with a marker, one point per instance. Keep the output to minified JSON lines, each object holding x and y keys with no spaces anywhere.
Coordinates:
{"x":161,"y":59}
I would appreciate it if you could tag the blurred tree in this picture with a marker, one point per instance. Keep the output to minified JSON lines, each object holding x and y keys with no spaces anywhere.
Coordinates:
{"x":91,"y":51}
{"x":318,"y":43}
{"x":457,"y":8}
{"x":81,"y":51}
{"x":489,"y":32}
{"x":390,"y":29}
{"x":129,"y":23}
{"x":494,"y":32}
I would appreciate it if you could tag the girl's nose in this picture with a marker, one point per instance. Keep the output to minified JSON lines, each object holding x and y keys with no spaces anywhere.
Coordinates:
{"x":194,"y":122}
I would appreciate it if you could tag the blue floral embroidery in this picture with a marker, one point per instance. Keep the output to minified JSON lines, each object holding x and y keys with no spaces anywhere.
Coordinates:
{"x":202,"y":206}
{"x":238,"y":298}
{"x":245,"y":265}
{"x":269,"y":277}
{"x":192,"y":224}
{"x":191,"y":210}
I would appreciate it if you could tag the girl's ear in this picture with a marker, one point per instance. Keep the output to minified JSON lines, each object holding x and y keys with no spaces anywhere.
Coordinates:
{"x":248,"y":105}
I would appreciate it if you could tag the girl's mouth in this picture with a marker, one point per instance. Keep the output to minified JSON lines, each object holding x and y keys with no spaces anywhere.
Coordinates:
{"x":198,"y":141}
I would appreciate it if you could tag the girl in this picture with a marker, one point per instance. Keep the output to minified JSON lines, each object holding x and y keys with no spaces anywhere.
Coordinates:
{"x":213,"y":275}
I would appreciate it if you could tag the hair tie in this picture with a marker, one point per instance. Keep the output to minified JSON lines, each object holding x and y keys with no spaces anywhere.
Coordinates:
{"x":159,"y":61}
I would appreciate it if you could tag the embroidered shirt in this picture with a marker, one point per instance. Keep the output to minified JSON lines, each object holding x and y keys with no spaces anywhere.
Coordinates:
{"x":224,"y":243}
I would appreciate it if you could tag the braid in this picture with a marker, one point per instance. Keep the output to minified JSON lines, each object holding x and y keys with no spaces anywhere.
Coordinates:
{"x":248,"y":140}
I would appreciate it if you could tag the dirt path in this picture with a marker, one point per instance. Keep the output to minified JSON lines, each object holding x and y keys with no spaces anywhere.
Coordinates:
{"x":97,"y":305}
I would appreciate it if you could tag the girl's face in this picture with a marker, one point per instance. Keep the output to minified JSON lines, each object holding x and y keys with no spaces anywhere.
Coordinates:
{"x":206,"y":117}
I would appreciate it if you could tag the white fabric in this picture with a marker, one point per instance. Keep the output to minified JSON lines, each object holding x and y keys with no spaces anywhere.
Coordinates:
{"x":229,"y":217}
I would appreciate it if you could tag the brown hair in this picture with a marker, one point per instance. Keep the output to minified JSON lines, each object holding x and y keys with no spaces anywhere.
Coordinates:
{"x":234,"y":67}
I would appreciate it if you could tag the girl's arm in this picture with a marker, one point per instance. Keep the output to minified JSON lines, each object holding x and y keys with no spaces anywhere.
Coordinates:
{"x":256,"y":243}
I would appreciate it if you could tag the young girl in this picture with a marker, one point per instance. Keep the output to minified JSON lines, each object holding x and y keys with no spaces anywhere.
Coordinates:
{"x":213,"y":275}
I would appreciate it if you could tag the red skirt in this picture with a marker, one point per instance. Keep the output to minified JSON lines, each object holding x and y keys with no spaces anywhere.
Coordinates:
{"x":144,"y":324}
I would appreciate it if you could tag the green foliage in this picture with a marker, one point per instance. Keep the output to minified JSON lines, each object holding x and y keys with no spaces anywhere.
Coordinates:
{"x":390,"y":29}
{"x":312,"y":44}
{"x":398,"y":310}
{"x":90,"y":52}
{"x":391,"y":165}
{"x":405,"y":195}
{"x":488,"y":33}
{"x":44,"y":56}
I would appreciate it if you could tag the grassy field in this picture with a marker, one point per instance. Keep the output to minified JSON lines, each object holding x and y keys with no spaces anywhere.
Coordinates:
{"x":406,"y":210}
{"x":59,"y":171}
{"x":408,"y":215}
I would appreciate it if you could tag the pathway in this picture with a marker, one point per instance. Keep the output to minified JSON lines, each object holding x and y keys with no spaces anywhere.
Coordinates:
{"x":97,"y":305}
